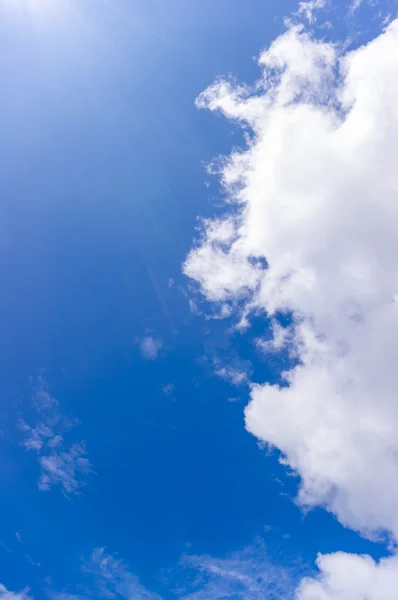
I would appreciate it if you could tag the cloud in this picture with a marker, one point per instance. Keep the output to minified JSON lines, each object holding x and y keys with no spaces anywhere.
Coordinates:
{"x":232,"y":375}
{"x":42,"y":399}
{"x":349,"y":576}
{"x":229,"y":366}
{"x":355,"y":5}
{"x":37,"y":436}
{"x":308,"y":8}
{"x":61,"y":463}
{"x":6,"y":595}
{"x":112,"y":577}
{"x":310,"y":230}
{"x":150,"y":347}
{"x":168,"y":389}
{"x":247,"y":575}
{"x":64,"y":468}
{"x":106,"y":577}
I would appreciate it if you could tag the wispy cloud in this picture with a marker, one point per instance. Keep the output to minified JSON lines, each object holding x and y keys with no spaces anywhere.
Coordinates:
{"x":106,"y":576}
{"x":232,"y":375}
{"x":309,"y":8}
{"x":150,"y":346}
{"x":355,"y":5}
{"x":61,"y":464}
{"x":112,"y":577}
{"x":18,"y":551}
{"x":36,"y":436}
{"x":7,"y":595}
{"x":247,"y":575}
{"x":231,"y":368}
{"x":64,"y":468}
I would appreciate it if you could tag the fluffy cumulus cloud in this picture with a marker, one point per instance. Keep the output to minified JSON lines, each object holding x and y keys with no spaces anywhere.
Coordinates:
{"x":352,"y":577}
{"x":310,"y":230}
{"x":7,"y":595}
{"x":315,"y":196}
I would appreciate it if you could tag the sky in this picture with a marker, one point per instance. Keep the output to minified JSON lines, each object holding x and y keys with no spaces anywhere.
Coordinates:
{"x":198,"y":216}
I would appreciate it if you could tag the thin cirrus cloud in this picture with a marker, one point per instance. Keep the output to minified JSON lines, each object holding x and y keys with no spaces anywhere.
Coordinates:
{"x":107,"y":577}
{"x":246,"y":574}
{"x":61,"y":464}
{"x":314,"y":196}
{"x":112,"y":577}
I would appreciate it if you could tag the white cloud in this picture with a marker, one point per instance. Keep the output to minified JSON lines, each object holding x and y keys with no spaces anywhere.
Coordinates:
{"x":42,"y":399}
{"x":105,"y":576}
{"x":351,"y":577}
{"x":355,"y":5}
{"x":247,"y":575}
{"x":64,"y":468}
{"x":281,"y":337}
{"x":230,"y":368}
{"x":232,"y":375}
{"x":150,"y":347}
{"x":112,"y":577}
{"x":308,"y":8}
{"x":55,"y":441}
{"x":315,"y":195}
{"x":37,"y":436}
{"x":7,"y":595}
{"x":60,"y":463}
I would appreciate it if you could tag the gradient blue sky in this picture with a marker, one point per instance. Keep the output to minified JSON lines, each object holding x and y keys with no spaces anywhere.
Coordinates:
{"x":102,"y":179}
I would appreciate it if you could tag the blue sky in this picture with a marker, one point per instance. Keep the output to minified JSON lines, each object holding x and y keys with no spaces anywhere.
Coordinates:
{"x":126,"y":469}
